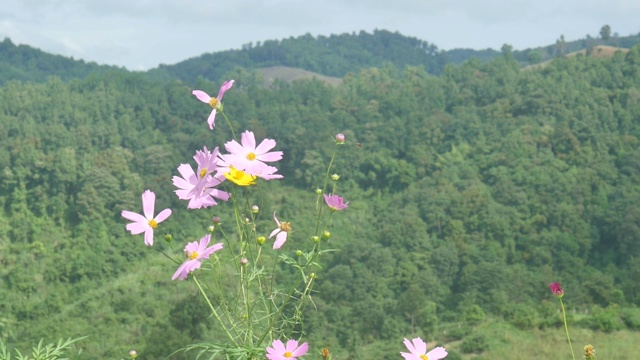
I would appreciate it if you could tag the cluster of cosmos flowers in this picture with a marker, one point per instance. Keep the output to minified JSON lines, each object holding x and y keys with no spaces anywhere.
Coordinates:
{"x":242,"y":164}
{"x":417,"y":350}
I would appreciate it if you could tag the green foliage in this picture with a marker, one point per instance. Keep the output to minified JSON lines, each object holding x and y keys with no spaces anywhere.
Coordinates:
{"x":604,"y":319}
{"x":474,"y":344}
{"x":52,"y":351}
{"x":469,"y":191}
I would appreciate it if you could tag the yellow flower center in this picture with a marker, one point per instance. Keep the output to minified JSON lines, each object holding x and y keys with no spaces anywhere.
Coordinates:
{"x":193,"y":255}
{"x":424,"y":357}
{"x":288,"y":354}
{"x":203,"y":172}
{"x":153,"y":223}
{"x":214,"y":102}
{"x":285,"y":226}
{"x":251,"y":156}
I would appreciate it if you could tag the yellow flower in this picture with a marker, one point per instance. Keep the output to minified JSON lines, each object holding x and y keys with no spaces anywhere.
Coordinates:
{"x":239,"y":177}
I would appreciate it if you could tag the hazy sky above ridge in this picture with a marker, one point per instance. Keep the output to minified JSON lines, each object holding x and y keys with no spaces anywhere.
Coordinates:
{"x":140,"y":34}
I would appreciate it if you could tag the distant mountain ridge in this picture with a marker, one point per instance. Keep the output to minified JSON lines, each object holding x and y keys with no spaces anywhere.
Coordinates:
{"x":25,"y":63}
{"x":332,"y":56}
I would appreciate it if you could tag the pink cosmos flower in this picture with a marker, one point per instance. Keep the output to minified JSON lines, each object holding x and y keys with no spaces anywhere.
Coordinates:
{"x":215,"y":102}
{"x":556,"y":289}
{"x":251,"y":158}
{"x":145,"y":224}
{"x":198,"y":190}
{"x":282,"y":231}
{"x":335,"y":202}
{"x":290,"y":352}
{"x":418,"y":351}
{"x":196,"y":252}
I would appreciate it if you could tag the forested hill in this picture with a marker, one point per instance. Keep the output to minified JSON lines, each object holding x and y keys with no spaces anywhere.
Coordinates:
{"x":334,"y":55}
{"x":25,"y":63}
{"x":469,"y":192}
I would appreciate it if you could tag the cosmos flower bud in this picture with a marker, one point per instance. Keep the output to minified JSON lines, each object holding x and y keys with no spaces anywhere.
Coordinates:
{"x":340,"y":138}
{"x":244,"y":261}
{"x":298,"y":253}
{"x":335,"y":177}
{"x":167,"y":238}
{"x":261,"y":240}
{"x":312,"y":275}
{"x":255,"y":209}
{"x":326,"y":235}
{"x":315,"y":239}
{"x":318,"y":191}
{"x":133,"y":354}
{"x":216,"y":220}
{"x":212,"y":229}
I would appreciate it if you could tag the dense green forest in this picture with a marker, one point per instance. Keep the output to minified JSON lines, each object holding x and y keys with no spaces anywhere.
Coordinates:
{"x":470,"y":191}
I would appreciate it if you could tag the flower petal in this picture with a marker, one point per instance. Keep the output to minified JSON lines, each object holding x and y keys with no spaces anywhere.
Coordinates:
{"x":202,"y":96}
{"x":163,"y":215}
{"x":265,"y":145}
{"x":421,"y":346}
{"x":212,"y":119}
{"x":275,"y":231}
{"x":437,"y":353}
{"x":248,"y":141}
{"x":301,"y":350}
{"x":137,"y":228}
{"x":148,"y":237}
{"x":278,"y":346}
{"x":223,"y":89}
{"x":210,"y":250}
{"x":280,"y":240}
{"x":270,"y":156}
{"x":234,"y":147}
{"x":130,"y":215}
{"x":148,"y":203}
{"x":409,"y":346}
{"x":291,"y":345}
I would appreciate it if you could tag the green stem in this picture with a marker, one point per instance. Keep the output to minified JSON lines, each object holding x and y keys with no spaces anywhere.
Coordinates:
{"x":566,"y":328}
{"x":233,"y":134}
{"x":213,"y":310}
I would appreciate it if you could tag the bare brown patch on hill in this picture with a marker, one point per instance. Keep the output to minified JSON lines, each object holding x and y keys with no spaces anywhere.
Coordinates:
{"x":600,"y":51}
{"x":290,"y":74}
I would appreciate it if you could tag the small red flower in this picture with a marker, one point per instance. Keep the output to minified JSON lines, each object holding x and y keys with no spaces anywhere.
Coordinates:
{"x":556,"y":289}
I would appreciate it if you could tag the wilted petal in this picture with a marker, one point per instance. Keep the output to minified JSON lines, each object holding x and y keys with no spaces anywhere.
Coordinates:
{"x":211,"y":120}
{"x":280,"y":240}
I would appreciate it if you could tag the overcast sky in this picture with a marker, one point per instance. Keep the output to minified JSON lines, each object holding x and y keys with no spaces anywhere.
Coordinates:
{"x":140,"y":34}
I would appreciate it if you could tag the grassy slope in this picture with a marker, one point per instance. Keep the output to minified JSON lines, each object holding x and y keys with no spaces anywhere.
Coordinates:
{"x":505,"y":341}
